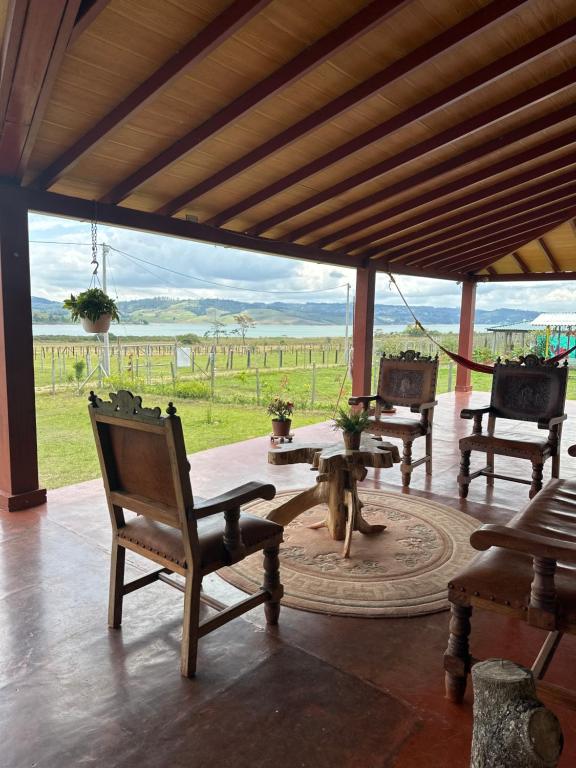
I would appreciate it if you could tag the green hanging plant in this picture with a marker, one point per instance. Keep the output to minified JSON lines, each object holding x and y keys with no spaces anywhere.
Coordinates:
{"x":91,"y":305}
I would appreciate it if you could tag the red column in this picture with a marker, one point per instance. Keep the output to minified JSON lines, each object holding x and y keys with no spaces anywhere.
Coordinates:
{"x":18,"y":452}
{"x":363,"y":331}
{"x":466,"y":337}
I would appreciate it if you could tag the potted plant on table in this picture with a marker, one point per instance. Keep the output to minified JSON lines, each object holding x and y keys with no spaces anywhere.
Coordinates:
{"x":280,"y":410}
{"x":94,"y":308}
{"x":352,"y":426}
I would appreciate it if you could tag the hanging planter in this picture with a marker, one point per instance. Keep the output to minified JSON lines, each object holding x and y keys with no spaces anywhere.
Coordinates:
{"x":94,"y":308}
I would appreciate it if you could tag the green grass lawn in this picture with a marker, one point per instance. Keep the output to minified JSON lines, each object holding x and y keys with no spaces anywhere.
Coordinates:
{"x":66,"y":446}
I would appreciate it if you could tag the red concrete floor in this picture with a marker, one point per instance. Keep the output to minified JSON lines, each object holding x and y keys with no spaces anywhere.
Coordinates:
{"x":317,"y":691}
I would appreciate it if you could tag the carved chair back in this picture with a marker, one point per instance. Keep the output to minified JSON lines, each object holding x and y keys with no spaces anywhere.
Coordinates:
{"x":407,"y":379}
{"x":530,"y":389}
{"x":143,"y":461}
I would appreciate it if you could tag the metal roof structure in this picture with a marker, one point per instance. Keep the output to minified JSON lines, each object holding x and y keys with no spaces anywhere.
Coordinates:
{"x":555,"y":320}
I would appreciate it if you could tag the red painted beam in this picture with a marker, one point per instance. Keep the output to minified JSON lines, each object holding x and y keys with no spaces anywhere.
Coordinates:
{"x":417,"y":252}
{"x":206,"y":41}
{"x":537,"y":172}
{"x":495,"y":11}
{"x":549,"y":255}
{"x":458,"y":90}
{"x":42,"y":42}
{"x":478,"y":152}
{"x":497,"y":228}
{"x":466,"y":335}
{"x":363,"y":331}
{"x":362,"y":22}
{"x":89,"y":10}
{"x":528,"y":197}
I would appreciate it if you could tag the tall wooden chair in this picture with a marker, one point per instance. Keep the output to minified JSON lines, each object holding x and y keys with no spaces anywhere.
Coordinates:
{"x":145,"y":471}
{"x":410,"y":380}
{"x":530,"y":389}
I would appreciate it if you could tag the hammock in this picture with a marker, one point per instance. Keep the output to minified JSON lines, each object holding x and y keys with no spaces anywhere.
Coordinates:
{"x":459,"y":359}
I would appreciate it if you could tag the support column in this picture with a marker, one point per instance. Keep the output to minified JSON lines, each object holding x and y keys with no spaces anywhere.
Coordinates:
{"x":363,"y":331}
{"x":466,"y":337}
{"x":18,"y":451}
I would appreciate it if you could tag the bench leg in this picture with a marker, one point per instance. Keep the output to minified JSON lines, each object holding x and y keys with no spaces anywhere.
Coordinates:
{"x":464,"y":476}
{"x":189,"y":647}
{"x":272,"y":585}
{"x":457,"y":659}
{"x":115,"y":598}
{"x":490,"y":468}
{"x":405,"y":467}
{"x":537,"y":474}
{"x":429,"y":453}
{"x":556,"y":465}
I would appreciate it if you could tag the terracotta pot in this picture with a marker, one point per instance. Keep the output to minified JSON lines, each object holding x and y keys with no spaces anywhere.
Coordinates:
{"x":352,"y":440}
{"x":97,"y":326}
{"x":281,"y":427}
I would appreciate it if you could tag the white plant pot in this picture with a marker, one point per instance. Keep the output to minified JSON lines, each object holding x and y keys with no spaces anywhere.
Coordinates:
{"x":98,"y":326}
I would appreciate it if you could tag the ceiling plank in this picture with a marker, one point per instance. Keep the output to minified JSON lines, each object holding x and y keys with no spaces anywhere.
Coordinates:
{"x":480,"y":195}
{"x":28,"y":80}
{"x":214,"y":34}
{"x":488,"y":74}
{"x":495,"y":11}
{"x":531,"y":196}
{"x":362,"y":22}
{"x":89,"y":10}
{"x":548,"y":253}
{"x":435,"y":171}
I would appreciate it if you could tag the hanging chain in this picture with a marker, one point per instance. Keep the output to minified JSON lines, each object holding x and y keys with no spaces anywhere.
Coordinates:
{"x":95,"y":281}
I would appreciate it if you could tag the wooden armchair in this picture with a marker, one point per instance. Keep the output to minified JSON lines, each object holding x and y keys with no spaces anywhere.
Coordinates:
{"x":408,"y":380}
{"x":527,"y":570}
{"x":145,"y":470}
{"x":528,"y":390}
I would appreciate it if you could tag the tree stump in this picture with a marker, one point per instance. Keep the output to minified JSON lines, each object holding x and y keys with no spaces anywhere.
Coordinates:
{"x":512,"y":728}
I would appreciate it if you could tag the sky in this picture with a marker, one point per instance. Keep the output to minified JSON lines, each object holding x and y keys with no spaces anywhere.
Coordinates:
{"x":60,"y":255}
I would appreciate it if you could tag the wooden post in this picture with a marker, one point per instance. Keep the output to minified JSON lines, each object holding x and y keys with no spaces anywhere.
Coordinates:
{"x":19,"y":486}
{"x":363,"y":330}
{"x":257,"y":387}
{"x":466,"y":336}
{"x":313,"y":388}
{"x":511,"y":727}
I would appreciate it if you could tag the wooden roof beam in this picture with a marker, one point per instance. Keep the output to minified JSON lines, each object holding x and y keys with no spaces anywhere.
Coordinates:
{"x":533,"y":207}
{"x":432,"y":172}
{"x":494,"y":229}
{"x":499,"y":277}
{"x":495,"y":11}
{"x":478,"y":196}
{"x":549,"y":255}
{"x":214,"y":34}
{"x":531,"y":196}
{"x":35,"y":49}
{"x":89,"y":10}
{"x":521,"y":263}
{"x":440,"y":100}
{"x":312,"y":56}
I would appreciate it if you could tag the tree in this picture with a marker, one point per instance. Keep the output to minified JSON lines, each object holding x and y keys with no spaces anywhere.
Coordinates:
{"x":244,"y":322}
{"x":217,"y":328}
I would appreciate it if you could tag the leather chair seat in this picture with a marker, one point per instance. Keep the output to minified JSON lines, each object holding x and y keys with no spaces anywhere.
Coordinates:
{"x":396,"y":427}
{"x":166,"y":541}
{"x":504,"y":576}
{"x":525,"y":448}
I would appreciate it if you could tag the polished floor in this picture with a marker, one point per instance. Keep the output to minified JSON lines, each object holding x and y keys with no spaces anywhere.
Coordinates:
{"x":317,"y":691}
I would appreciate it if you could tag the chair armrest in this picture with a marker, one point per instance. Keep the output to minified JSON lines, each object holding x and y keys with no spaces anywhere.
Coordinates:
{"x":522,"y":541}
{"x":469,"y":413}
{"x":234,"y":499}
{"x":572,"y":450}
{"x":363,"y":400}
{"x":549,"y":423}
{"x":421,"y":407}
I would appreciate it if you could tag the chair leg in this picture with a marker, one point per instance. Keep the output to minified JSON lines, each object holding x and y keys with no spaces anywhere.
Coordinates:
{"x":189,"y":647}
{"x":464,"y":476}
{"x":457,"y":659}
{"x":272,"y":584}
{"x":429,"y":453}
{"x":537,"y":474}
{"x":116,"y":596}
{"x":556,"y":465}
{"x":405,"y":467}
{"x":490,"y":467}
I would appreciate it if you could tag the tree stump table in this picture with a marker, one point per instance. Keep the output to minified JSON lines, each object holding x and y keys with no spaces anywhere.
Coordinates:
{"x":339,"y":471}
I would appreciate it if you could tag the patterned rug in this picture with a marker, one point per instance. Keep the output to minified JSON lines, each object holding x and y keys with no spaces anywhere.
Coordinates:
{"x":403,"y":571}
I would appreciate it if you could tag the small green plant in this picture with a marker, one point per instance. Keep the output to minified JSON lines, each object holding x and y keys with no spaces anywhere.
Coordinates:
{"x":79,"y":367}
{"x":280,"y":409}
{"x":91,"y":304}
{"x":351,"y":422}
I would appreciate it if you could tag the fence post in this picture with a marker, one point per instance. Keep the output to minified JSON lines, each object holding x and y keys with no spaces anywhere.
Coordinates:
{"x":265,"y":359}
{"x":231,"y":355}
{"x":248,"y":353}
{"x":257,"y":387}
{"x":53,"y":373}
{"x":296,"y":359}
{"x":450,"y":376}
{"x":279,"y":358}
{"x":313,"y":390}
{"x":172,"y":371}
{"x":323,"y":357}
{"x":212,"y":373}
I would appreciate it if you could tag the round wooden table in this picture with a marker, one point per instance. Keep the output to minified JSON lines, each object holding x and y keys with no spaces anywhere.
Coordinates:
{"x":339,"y":471}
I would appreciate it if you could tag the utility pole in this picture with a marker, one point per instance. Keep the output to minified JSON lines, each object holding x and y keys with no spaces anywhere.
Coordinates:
{"x":106,"y":348}
{"x":347,"y":335}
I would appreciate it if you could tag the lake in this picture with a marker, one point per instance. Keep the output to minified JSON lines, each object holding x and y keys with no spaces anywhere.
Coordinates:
{"x":170,"y":330}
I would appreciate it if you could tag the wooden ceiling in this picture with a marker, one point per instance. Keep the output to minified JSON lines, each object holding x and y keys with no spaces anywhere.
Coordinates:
{"x":428,"y":137}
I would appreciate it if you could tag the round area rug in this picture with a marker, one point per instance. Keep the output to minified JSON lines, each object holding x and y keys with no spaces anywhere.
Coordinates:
{"x":403,"y":571}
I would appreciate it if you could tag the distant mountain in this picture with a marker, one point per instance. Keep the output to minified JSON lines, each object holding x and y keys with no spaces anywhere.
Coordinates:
{"x":162,"y":309}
